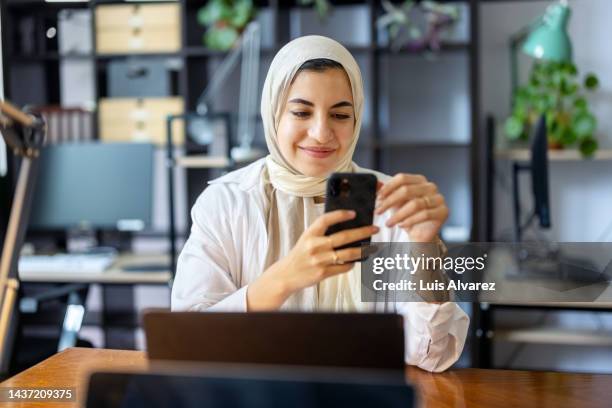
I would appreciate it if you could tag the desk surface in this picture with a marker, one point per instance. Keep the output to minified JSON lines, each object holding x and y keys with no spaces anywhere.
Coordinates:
{"x":114,"y":275}
{"x":455,"y":388}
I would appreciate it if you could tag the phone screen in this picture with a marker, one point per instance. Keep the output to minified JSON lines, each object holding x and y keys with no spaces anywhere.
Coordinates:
{"x":351,"y":191}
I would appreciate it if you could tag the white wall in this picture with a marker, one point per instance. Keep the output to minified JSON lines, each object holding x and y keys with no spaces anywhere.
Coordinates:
{"x":580,"y":192}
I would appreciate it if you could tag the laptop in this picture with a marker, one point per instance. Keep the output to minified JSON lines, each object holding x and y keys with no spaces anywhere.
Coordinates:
{"x":239,"y":386}
{"x":349,"y":340}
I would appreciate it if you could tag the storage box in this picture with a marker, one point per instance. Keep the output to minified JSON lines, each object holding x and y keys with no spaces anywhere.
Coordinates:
{"x":74,"y":31}
{"x":139,"y":120}
{"x":147,"y":28}
{"x":138,"y":78}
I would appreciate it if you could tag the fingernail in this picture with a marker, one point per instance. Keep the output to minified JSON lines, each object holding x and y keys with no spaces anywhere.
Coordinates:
{"x":352,"y":213}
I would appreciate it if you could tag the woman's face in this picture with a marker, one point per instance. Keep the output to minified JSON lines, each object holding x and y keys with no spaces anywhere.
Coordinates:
{"x":317,"y":122}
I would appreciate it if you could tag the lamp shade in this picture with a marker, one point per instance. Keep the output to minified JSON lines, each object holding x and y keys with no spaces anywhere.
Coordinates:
{"x":550,"y":40}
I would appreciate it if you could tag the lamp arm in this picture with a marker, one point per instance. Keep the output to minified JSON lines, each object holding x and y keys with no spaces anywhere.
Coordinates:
{"x":243,"y":45}
{"x":24,"y":133}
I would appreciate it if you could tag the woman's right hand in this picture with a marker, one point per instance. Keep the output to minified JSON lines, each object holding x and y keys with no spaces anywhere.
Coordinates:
{"x":312,"y":259}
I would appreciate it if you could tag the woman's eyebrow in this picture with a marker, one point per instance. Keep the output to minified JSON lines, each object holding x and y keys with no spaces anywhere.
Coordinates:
{"x":302,"y":101}
{"x":342,"y":104}
{"x":308,"y":103}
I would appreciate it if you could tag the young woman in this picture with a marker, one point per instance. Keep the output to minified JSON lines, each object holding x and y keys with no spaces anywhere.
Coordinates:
{"x":258,"y":237}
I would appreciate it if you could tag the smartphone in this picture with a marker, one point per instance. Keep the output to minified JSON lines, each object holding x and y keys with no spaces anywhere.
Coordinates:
{"x":351,"y":191}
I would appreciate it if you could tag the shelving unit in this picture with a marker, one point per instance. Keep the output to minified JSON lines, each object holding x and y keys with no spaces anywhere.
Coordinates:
{"x":387,"y":143}
{"x":553,"y":155}
{"x":381,"y":146}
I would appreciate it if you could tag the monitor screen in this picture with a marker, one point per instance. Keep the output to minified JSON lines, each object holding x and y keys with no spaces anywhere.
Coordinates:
{"x":539,"y":173}
{"x":94,"y":185}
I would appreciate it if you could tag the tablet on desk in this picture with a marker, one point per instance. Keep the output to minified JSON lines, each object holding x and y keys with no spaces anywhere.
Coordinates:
{"x":241,"y":387}
{"x":355,"y":340}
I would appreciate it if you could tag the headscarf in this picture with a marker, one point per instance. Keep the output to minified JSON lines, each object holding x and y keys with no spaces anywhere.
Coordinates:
{"x":290,"y":194}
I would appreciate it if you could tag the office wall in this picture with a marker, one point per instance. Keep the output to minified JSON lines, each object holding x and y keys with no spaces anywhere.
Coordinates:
{"x":581,"y":191}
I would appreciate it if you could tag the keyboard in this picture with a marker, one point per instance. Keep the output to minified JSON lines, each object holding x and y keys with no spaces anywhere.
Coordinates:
{"x":70,"y":263}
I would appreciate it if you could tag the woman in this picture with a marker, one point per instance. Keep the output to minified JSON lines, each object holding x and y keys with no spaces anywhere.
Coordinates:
{"x":258,"y":237}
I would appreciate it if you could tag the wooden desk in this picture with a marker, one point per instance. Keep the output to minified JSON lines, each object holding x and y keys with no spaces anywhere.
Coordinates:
{"x":469,"y":387}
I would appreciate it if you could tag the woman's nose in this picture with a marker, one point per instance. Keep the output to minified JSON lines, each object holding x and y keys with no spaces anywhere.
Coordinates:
{"x":321,"y":131}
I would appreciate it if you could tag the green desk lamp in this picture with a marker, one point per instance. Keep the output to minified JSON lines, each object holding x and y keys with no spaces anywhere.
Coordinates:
{"x":545,"y":39}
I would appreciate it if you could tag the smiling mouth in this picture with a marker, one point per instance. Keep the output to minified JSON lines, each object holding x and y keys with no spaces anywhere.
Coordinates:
{"x":317,"y":152}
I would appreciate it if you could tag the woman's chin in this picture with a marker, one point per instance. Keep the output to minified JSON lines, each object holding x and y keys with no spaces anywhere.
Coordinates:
{"x":317,"y":169}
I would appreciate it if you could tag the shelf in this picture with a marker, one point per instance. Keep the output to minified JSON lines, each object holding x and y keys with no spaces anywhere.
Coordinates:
{"x":556,"y":336}
{"x":50,"y":56}
{"x":25,"y":4}
{"x":445,"y":46}
{"x":103,"y":57}
{"x":416,"y":145}
{"x":553,"y":155}
{"x":202,"y":162}
{"x":202,"y":51}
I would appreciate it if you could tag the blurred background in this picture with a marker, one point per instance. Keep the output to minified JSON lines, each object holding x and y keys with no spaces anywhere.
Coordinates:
{"x":147,"y":100}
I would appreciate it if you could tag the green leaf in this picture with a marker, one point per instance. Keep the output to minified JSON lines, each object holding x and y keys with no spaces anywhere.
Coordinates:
{"x":242,"y":13}
{"x":583,"y":124}
{"x":534,"y":81}
{"x":580,"y":103}
{"x":513,"y":127}
{"x":588,"y":146}
{"x":220,"y":38}
{"x":591,"y":82}
{"x":551,"y":122}
{"x":570,"y":69}
{"x":212,"y":12}
{"x":540,"y":103}
{"x":567,"y":137}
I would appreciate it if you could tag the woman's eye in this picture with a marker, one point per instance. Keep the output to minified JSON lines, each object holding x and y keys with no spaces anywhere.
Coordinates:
{"x":300,"y":114}
{"x":341,"y":116}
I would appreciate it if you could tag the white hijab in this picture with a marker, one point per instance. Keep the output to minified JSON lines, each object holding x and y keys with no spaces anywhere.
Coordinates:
{"x":291,"y":206}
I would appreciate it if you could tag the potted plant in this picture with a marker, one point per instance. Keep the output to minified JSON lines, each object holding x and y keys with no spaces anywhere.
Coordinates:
{"x":225,"y":20}
{"x":322,"y":7}
{"x":554,"y":90}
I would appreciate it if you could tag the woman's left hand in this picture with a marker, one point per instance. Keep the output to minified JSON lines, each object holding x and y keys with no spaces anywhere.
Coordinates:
{"x":419,"y":208}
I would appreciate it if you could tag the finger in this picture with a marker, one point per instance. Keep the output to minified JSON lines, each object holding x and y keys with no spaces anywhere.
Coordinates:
{"x":337,"y":269}
{"x":352,"y":235}
{"x":328,"y":219}
{"x":317,"y":244}
{"x":431,"y":214}
{"x":405,"y":193}
{"x":379,"y":185}
{"x":349,"y":255}
{"x":400,"y":179}
{"x":413,"y":206}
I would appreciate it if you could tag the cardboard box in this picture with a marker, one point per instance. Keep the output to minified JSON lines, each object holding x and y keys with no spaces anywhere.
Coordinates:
{"x":147,"y":28}
{"x":140,"y":120}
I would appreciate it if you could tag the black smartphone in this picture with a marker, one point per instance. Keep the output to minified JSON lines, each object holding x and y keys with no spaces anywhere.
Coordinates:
{"x":351,"y":191}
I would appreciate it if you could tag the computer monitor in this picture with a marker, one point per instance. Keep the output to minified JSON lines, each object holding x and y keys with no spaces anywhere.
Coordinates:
{"x":539,"y":173}
{"x":106,"y":186}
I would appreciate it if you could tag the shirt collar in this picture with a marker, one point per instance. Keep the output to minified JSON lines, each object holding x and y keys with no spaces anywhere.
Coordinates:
{"x":249,"y":176}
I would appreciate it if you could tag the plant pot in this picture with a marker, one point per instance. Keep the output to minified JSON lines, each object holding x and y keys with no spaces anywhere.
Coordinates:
{"x":555,"y":145}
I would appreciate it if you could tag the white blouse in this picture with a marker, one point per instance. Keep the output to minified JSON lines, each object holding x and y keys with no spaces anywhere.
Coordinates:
{"x":226,"y":251}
